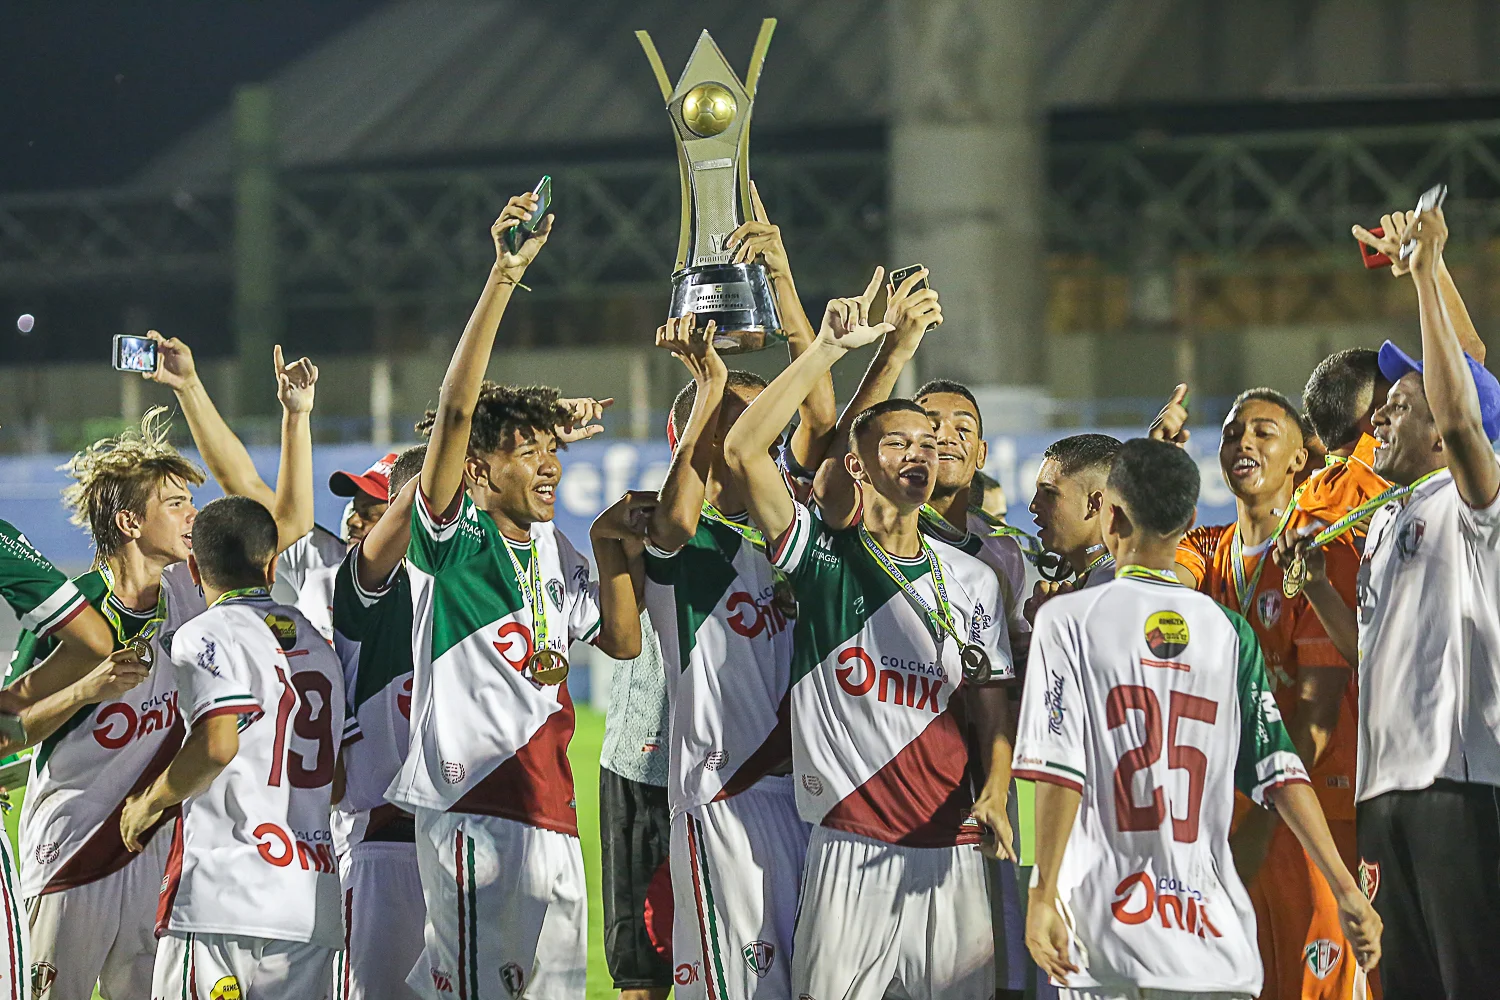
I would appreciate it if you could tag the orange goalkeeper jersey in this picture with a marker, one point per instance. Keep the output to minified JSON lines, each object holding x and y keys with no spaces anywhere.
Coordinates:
{"x":1291,"y":637}
{"x":1342,"y":485}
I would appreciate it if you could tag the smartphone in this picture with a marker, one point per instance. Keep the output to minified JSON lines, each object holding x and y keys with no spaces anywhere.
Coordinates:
{"x":1432,"y":198}
{"x":516,"y":235}
{"x":900,"y":274}
{"x":134,"y":354}
{"x":1374,"y":258}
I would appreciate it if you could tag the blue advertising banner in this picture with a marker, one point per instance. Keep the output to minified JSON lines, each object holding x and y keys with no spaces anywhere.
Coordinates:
{"x":594,"y":474}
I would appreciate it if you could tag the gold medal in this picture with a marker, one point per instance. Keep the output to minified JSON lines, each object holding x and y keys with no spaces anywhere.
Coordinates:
{"x":547,"y":667}
{"x":1294,"y":578}
{"x":976,"y":664}
{"x":141,"y":648}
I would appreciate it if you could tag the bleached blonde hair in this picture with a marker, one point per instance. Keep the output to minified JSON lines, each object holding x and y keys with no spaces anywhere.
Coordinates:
{"x":123,"y":473}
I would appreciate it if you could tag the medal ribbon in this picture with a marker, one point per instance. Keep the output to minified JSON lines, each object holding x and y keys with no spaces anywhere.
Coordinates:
{"x":1243,"y":593}
{"x":1145,"y":573}
{"x":749,"y":533}
{"x":1030,"y":547}
{"x":157,"y":620}
{"x":939,"y":619}
{"x":230,"y":595}
{"x":531,"y":589}
{"x":1366,"y":510}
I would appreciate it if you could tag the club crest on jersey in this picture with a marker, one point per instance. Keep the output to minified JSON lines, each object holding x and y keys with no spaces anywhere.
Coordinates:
{"x":1166,"y":634}
{"x":1268,"y":606}
{"x":227,"y":988}
{"x":513,"y":979}
{"x":760,"y":956}
{"x":166,"y":642}
{"x":1322,"y":957}
{"x":285,"y":631}
{"x":1409,"y":538}
{"x":1369,"y":878}
{"x":43,"y":975}
{"x":555,"y":592}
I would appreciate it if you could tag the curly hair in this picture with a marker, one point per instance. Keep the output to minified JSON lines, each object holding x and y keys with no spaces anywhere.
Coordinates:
{"x":504,"y":410}
{"x":123,"y":473}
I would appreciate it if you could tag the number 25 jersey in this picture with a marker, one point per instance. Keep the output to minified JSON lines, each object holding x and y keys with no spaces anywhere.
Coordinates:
{"x":253,"y":855}
{"x":1152,"y":701}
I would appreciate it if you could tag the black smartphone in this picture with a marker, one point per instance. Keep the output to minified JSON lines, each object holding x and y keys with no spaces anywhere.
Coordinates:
{"x":900,"y":274}
{"x":516,"y":235}
{"x":134,"y":354}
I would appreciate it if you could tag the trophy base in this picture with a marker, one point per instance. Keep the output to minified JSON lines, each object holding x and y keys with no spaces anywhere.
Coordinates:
{"x":737,"y":297}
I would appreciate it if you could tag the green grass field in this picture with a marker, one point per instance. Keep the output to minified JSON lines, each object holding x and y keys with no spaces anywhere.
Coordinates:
{"x":584,"y":754}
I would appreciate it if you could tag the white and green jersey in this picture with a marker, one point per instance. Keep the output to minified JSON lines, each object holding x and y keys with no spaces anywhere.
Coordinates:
{"x":1151,"y":700}
{"x":1000,"y":551}
{"x":36,"y":590}
{"x":372,"y":635}
{"x":82,"y":774}
{"x":485,"y":738}
{"x":877,"y":733}
{"x":726,"y":643}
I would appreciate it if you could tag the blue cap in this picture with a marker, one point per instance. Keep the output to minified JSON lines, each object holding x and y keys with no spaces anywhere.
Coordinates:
{"x":1394,"y":363}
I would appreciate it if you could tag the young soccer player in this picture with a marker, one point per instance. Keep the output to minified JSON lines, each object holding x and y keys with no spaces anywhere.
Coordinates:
{"x":372,"y":620}
{"x":1261,"y":452}
{"x":894,"y":894}
{"x":249,"y":906}
{"x":1068,"y":503}
{"x":88,"y":899}
{"x":1427,"y":639}
{"x":1340,"y":397}
{"x":1147,"y":705}
{"x":498,"y":596}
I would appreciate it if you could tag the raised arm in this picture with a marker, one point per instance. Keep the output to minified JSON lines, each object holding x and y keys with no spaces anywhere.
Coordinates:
{"x":759,"y":238}
{"x":675,"y":519}
{"x":1389,"y":243}
{"x":385,"y":545}
{"x":747,"y":445}
{"x":614,"y":534}
{"x":910,"y":311}
{"x":293,"y":504}
{"x":443,"y":469}
{"x":1446,"y":378}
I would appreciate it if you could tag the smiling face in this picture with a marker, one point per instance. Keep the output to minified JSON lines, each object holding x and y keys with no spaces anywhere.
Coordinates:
{"x":1260,"y":449}
{"x":1408,"y":445}
{"x":517,"y":483}
{"x":897,"y":454}
{"x":1066,"y":508}
{"x":164,"y":528}
{"x":960,"y":448}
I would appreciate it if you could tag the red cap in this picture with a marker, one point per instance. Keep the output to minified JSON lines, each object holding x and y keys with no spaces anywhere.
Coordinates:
{"x":375,"y":483}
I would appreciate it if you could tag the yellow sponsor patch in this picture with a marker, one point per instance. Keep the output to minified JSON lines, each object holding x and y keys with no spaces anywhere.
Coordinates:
{"x":285,"y":631}
{"x":227,"y":988}
{"x":1166,"y":634}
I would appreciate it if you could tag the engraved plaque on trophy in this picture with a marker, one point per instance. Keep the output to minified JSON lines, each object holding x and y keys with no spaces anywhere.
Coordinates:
{"x":710,"y":110}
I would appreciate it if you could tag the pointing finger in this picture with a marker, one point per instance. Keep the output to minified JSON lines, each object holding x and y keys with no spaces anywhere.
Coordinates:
{"x":756,"y":206}
{"x":873,"y":286}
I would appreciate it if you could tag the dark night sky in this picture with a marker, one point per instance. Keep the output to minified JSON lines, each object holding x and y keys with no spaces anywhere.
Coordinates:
{"x":90,"y":90}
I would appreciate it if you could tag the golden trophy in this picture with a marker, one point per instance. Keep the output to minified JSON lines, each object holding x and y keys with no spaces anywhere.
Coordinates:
{"x":710,"y":109}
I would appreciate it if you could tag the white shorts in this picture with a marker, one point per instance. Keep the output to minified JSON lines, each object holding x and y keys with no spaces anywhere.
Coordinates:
{"x":383,"y":919}
{"x":1101,"y":993}
{"x":227,"y":967}
{"x":15,"y":958}
{"x":736,"y":868}
{"x":879,"y":920}
{"x":507,"y":912}
{"x":103,"y":932}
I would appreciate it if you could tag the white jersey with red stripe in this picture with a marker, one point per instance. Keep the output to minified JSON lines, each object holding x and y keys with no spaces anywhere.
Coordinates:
{"x":82,"y":774}
{"x":485,"y":738}
{"x":1151,"y":700}
{"x":254,"y":855}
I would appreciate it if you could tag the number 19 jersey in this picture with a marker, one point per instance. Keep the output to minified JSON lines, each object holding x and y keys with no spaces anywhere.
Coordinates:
{"x":253,"y":854}
{"x":1152,"y":701}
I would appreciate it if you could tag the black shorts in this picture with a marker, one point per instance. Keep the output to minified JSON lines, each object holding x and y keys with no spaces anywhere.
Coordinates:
{"x":634,"y":833}
{"x":1430,"y":862}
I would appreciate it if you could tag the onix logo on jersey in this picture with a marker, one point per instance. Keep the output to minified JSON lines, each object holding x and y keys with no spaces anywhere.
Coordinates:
{"x":117,"y":724}
{"x":1176,"y":913}
{"x":904,"y":688}
{"x":279,"y":848}
{"x":513,"y":643}
{"x":769,"y":616}
{"x":685,"y":974}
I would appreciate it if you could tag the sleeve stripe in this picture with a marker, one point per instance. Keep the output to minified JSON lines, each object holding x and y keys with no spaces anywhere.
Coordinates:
{"x":662,"y":553}
{"x":368,"y":597}
{"x":439,"y":528}
{"x":245,"y":707}
{"x":54,"y":612}
{"x":593,"y":632}
{"x":792,"y":545}
{"x":1052,"y":778}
